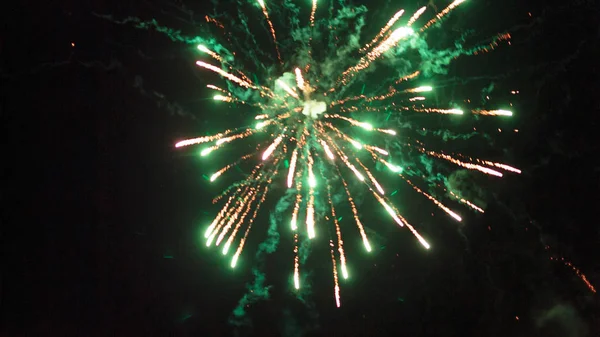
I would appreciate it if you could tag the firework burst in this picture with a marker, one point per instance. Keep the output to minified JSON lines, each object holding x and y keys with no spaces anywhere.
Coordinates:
{"x":315,"y":132}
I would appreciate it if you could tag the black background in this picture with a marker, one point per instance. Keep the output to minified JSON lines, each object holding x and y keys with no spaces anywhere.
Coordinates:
{"x":101,"y":220}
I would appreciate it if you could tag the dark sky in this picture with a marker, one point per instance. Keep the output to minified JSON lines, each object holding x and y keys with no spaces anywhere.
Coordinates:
{"x":101,"y":217}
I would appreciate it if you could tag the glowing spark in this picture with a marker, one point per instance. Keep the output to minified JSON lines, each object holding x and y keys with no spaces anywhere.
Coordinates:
{"x":222,"y":98}
{"x":287,"y":88}
{"x":312,"y":13}
{"x":493,"y":112}
{"x":416,"y":16}
{"x":227,"y":75}
{"x":420,"y":89}
{"x":327,"y":150}
{"x":272,"y":147}
{"x":290,"y":178}
{"x":299,"y":79}
{"x":385,"y":29}
{"x":266,"y":14}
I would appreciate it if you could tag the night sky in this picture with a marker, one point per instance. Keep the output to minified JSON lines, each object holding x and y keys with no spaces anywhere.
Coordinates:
{"x":102,"y":217}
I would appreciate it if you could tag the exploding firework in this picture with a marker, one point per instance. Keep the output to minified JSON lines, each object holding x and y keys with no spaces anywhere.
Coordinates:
{"x":316,"y":131}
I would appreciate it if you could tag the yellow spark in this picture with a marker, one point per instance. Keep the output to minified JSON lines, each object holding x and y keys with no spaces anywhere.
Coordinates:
{"x":327,"y":150}
{"x":408,"y":77}
{"x":227,"y":75}
{"x":292,"y":168}
{"x":250,"y":222}
{"x":390,"y":211}
{"x":222,"y":98}
{"x":336,"y":287}
{"x":216,"y":56}
{"x":440,"y":111}
{"x":467,"y":202}
{"x":434,"y":200}
{"x":377,"y":149}
{"x":355,"y":214}
{"x":371,"y":177}
{"x":214,"y":87}
{"x":296,"y":263}
{"x":424,"y":88}
{"x":224,"y":169}
{"x":204,"y":139}
{"x":312,"y":13}
{"x":493,"y":112}
{"x":416,"y":15}
{"x":469,"y":166}
{"x":287,"y":89}
{"x":299,"y":79}
{"x":310,"y":210}
{"x":384,"y":29}
{"x":310,"y":217}
{"x":442,"y":13}
{"x":272,"y":147}
{"x":266,"y":14}
{"x":234,"y":137}
{"x":338,"y":232}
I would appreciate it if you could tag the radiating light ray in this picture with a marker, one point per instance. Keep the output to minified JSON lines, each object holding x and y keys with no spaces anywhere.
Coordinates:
{"x":290,"y":178}
{"x":389,"y":209}
{"x":577,"y":272}
{"x":271,"y":28}
{"x":312,"y":13}
{"x":434,"y":200}
{"x":327,"y":150}
{"x":296,"y":263}
{"x":287,"y":89}
{"x":416,"y":16}
{"x":424,"y":88}
{"x":469,"y":166}
{"x":384,"y":30}
{"x":467,"y":202}
{"x":214,"y":55}
{"x":365,"y":61}
{"x":421,"y":240}
{"x":227,"y":75}
{"x":214,"y":87}
{"x":376,"y":149}
{"x":223,"y":98}
{"x":336,"y":286}
{"x":443,"y":13}
{"x":371,"y":177}
{"x":440,"y":111}
{"x":242,"y":135}
{"x":408,"y":77}
{"x":338,"y":232}
{"x":299,"y":79}
{"x":250,"y":222}
{"x":492,"y":112}
{"x":217,"y":174}
{"x":502,"y":166}
{"x":272,"y":147}
{"x":205,"y":139}
{"x":246,"y":207}
{"x":355,"y":213}
{"x":310,"y":207}
{"x":236,"y":215}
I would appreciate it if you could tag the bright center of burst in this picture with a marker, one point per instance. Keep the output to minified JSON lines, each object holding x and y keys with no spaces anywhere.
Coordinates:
{"x":313,"y":109}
